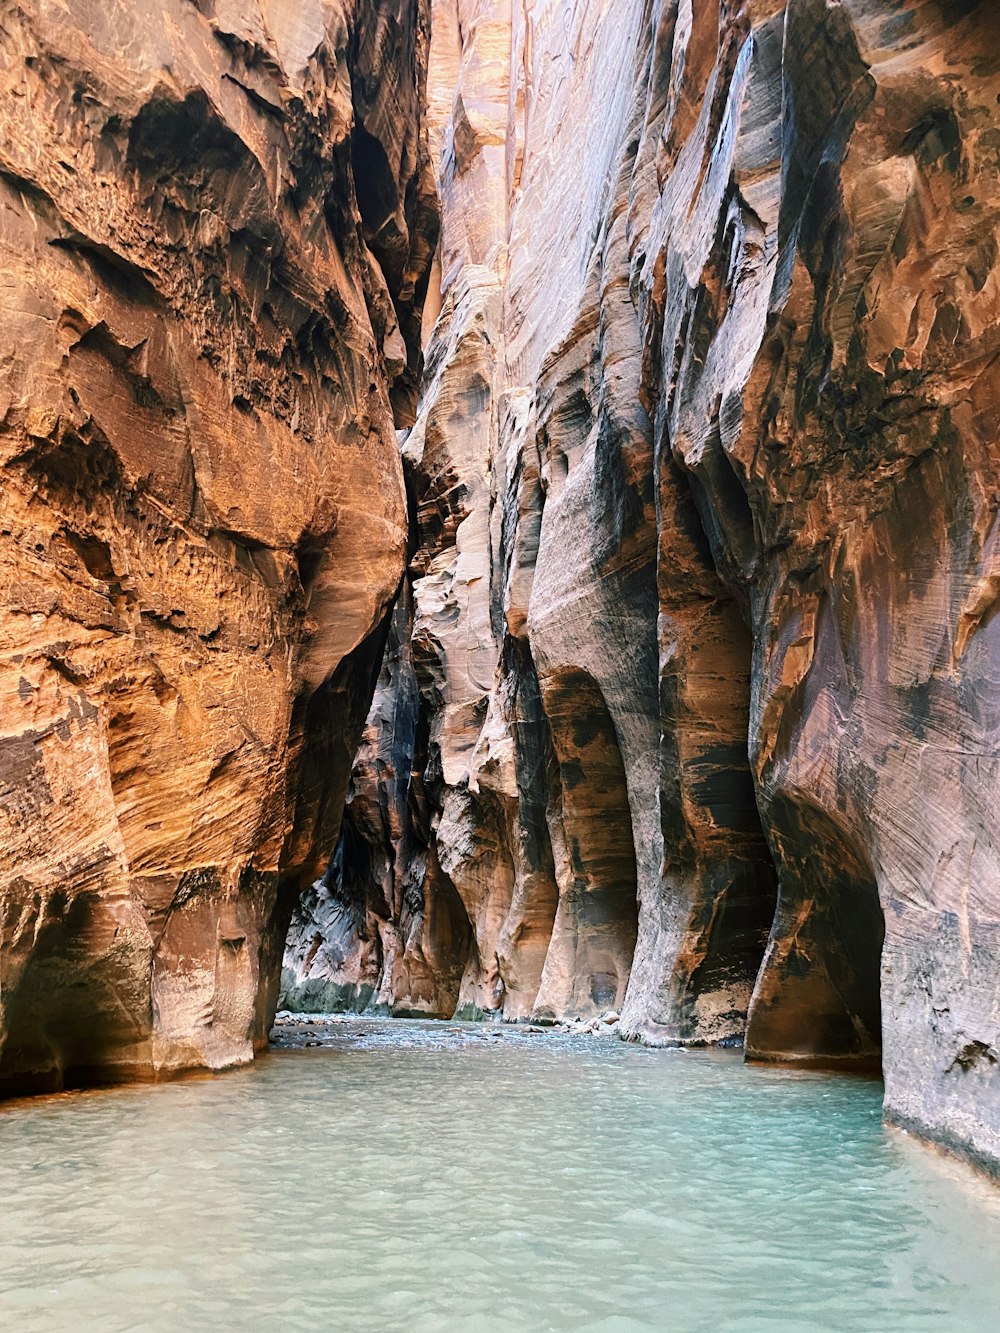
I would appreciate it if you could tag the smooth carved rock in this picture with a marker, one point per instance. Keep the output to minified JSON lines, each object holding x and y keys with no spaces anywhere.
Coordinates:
{"x":217,"y":225}
{"x":706,"y":483}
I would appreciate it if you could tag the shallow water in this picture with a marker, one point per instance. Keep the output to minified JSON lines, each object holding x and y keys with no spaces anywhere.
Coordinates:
{"x":441,"y":1176}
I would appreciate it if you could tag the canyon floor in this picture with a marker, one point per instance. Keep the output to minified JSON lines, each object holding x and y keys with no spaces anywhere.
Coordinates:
{"x":393,"y":1174}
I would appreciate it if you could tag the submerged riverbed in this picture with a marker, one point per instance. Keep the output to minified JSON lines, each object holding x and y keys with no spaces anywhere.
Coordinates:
{"x":430,"y":1176}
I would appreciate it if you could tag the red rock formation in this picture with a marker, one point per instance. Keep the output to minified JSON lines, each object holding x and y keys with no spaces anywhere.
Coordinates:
{"x":708,"y":451}
{"x":822,"y":306}
{"x":216,"y":224}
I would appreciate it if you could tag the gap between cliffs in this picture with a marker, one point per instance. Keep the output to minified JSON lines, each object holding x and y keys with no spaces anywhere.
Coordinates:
{"x":562,"y":806}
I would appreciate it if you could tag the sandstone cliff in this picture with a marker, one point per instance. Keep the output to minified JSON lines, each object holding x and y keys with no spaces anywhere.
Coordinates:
{"x":217,"y":227}
{"x":698,"y":714}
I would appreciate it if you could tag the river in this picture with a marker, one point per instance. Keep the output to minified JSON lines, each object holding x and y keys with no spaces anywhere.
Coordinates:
{"x":438,"y":1176}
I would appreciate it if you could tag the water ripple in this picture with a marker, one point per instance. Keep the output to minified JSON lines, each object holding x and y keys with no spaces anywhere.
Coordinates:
{"x":448,"y":1177}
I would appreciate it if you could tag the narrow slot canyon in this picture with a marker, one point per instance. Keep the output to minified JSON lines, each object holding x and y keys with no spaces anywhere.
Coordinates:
{"x":500,"y":554}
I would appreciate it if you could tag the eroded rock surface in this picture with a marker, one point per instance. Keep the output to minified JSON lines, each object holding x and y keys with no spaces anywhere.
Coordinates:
{"x":706,"y":479}
{"x":217,"y":223}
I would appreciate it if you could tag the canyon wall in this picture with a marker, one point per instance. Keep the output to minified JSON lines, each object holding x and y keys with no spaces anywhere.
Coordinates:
{"x":217,"y":228}
{"x":693,"y":701}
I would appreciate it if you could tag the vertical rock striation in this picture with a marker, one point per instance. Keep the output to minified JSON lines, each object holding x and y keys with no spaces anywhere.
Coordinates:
{"x":702,"y":681}
{"x":217,"y":226}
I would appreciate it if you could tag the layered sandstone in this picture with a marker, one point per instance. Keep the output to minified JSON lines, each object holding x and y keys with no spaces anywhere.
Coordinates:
{"x":706,"y":481}
{"x":217,"y":227}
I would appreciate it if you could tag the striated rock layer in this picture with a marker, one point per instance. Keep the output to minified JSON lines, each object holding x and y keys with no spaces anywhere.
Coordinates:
{"x":699,"y":714}
{"x":217,"y":223}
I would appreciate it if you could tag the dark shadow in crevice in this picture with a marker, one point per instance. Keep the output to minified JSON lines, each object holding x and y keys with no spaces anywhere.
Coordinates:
{"x":597,"y":918}
{"x":818,"y":997}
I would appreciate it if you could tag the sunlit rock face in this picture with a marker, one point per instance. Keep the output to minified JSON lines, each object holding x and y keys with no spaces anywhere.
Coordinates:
{"x":706,"y":478}
{"x":217,"y":227}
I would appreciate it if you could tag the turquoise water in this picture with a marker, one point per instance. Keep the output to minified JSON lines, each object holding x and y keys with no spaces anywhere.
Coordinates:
{"x":438,"y":1176}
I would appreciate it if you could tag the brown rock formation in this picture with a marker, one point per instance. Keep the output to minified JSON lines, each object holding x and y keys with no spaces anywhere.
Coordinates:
{"x":217,"y":225}
{"x":707,"y":450}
